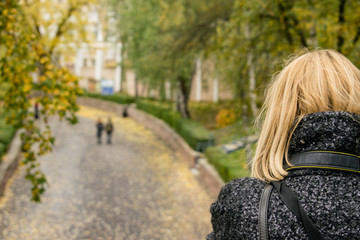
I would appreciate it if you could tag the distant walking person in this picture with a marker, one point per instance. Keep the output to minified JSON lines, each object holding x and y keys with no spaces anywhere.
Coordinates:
{"x":99,"y":129}
{"x":109,"y":128}
{"x":36,"y":110}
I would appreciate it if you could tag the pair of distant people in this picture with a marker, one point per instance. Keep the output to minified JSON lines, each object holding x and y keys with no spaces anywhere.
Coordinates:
{"x":108,"y":127}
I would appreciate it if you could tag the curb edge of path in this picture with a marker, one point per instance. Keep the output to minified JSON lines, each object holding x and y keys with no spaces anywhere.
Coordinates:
{"x":206,"y":173}
{"x":10,"y":162}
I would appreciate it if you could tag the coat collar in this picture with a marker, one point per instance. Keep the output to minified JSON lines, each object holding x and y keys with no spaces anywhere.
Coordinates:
{"x":327,"y":131}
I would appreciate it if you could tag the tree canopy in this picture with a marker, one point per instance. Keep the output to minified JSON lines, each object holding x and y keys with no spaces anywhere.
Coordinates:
{"x":246,"y":40}
{"x":23,"y":54}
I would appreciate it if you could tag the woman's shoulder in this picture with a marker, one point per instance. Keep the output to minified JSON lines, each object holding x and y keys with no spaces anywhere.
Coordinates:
{"x":243,"y":186}
{"x":240,"y":193}
{"x":237,"y":209}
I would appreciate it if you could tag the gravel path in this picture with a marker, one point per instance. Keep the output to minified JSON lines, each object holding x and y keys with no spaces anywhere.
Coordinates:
{"x":136,"y":188}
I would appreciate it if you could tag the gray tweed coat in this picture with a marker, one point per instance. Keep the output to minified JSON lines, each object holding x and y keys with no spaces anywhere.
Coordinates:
{"x":331,"y":198}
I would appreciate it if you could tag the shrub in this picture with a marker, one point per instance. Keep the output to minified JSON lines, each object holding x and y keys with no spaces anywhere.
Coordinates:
{"x":206,"y":112}
{"x":172,"y":118}
{"x":229,"y":166}
{"x":154,"y":108}
{"x":122,"y":99}
{"x":225,"y":117}
{"x":2,"y":149}
{"x":192,"y":132}
{"x":6,"y":134}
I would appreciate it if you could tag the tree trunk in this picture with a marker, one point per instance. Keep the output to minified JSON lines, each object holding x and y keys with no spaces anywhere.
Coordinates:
{"x":341,"y":21}
{"x":182,"y":97}
{"x":123,"y":69}
{"x":252,"y":79}
{"x":118,"y":69}
{"x":252,"y":85}
{"x":168,"y":90}
{"x":198,"y":80}
{"x":136,"y":88}
{"x":215,"y":90}
{"x":183,"y":86}
{"x":313,"y":36}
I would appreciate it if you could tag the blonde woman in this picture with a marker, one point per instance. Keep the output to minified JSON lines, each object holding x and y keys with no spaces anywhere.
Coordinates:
{"x":306,"y":181}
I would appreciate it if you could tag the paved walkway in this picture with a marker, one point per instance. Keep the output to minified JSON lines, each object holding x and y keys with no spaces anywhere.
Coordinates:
{"x":135,"y":188}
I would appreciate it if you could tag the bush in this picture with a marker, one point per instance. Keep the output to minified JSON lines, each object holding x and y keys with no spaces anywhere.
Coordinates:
{"x":172,"y":118}
{"x":192,"y":132}
{"x":154,"y":108}
{"x":225,"y":117}
{"x":121,"y":99}
{"x":206,"y":112}
{"x":6,"y":134}
{"x":2,"y":149}
{"x":229,"y":166}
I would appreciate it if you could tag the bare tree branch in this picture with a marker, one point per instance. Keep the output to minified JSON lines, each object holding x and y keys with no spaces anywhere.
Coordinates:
{"x":61,"y":26}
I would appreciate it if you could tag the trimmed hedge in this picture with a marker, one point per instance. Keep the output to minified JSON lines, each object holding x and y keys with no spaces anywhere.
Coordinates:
{"x":229,"y":166}
{"x":122,"y":99}
{"x":2,"y":149}
{"x":192,"y":132}
{"x":7,"y":133}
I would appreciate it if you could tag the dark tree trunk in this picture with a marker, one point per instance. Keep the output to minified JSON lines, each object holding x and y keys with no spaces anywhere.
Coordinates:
{"x":286,"y":22}
{"x":289,"y":21}
{"x":182,"y":97}
{"x":300,"y":32}
{"x":183,"y":92}
{"x":341,"y":21}
{"x":357,"y":36}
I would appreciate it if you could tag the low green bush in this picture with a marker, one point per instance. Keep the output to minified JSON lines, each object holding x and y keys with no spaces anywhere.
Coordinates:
{"x":121,"y":99}
{"x":6,"y":134}
{"x":229,"y":166}
{"x":2,"y":122}
{"x":153,"y":107}
{"x":2,"y":149}
{"x":192,"y":132}
{"x":172,"y":118}
{"x":206,"y":112}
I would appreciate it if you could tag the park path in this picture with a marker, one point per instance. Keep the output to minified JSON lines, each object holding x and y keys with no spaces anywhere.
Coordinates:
{"x":136,"y":188}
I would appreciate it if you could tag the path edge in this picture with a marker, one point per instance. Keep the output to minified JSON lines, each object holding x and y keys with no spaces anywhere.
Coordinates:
{"x":204,"y":172}
{"x":10,"y":162}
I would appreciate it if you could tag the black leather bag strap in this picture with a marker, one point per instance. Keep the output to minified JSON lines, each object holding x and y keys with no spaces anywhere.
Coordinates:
{"x":326,"y":160}
{"x":263,"y":209}
{"x":291,"y":200}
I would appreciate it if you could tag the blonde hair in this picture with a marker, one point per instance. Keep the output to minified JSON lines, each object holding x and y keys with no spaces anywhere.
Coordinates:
{"x":323,"y":80}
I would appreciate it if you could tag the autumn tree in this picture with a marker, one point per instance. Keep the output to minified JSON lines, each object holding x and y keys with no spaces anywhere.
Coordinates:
{"x":21,"y":51}
{"x":261,"y":34}
{"x":164,"y":39}
{"x":58,"y":25}
{"x":246,"y":40}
